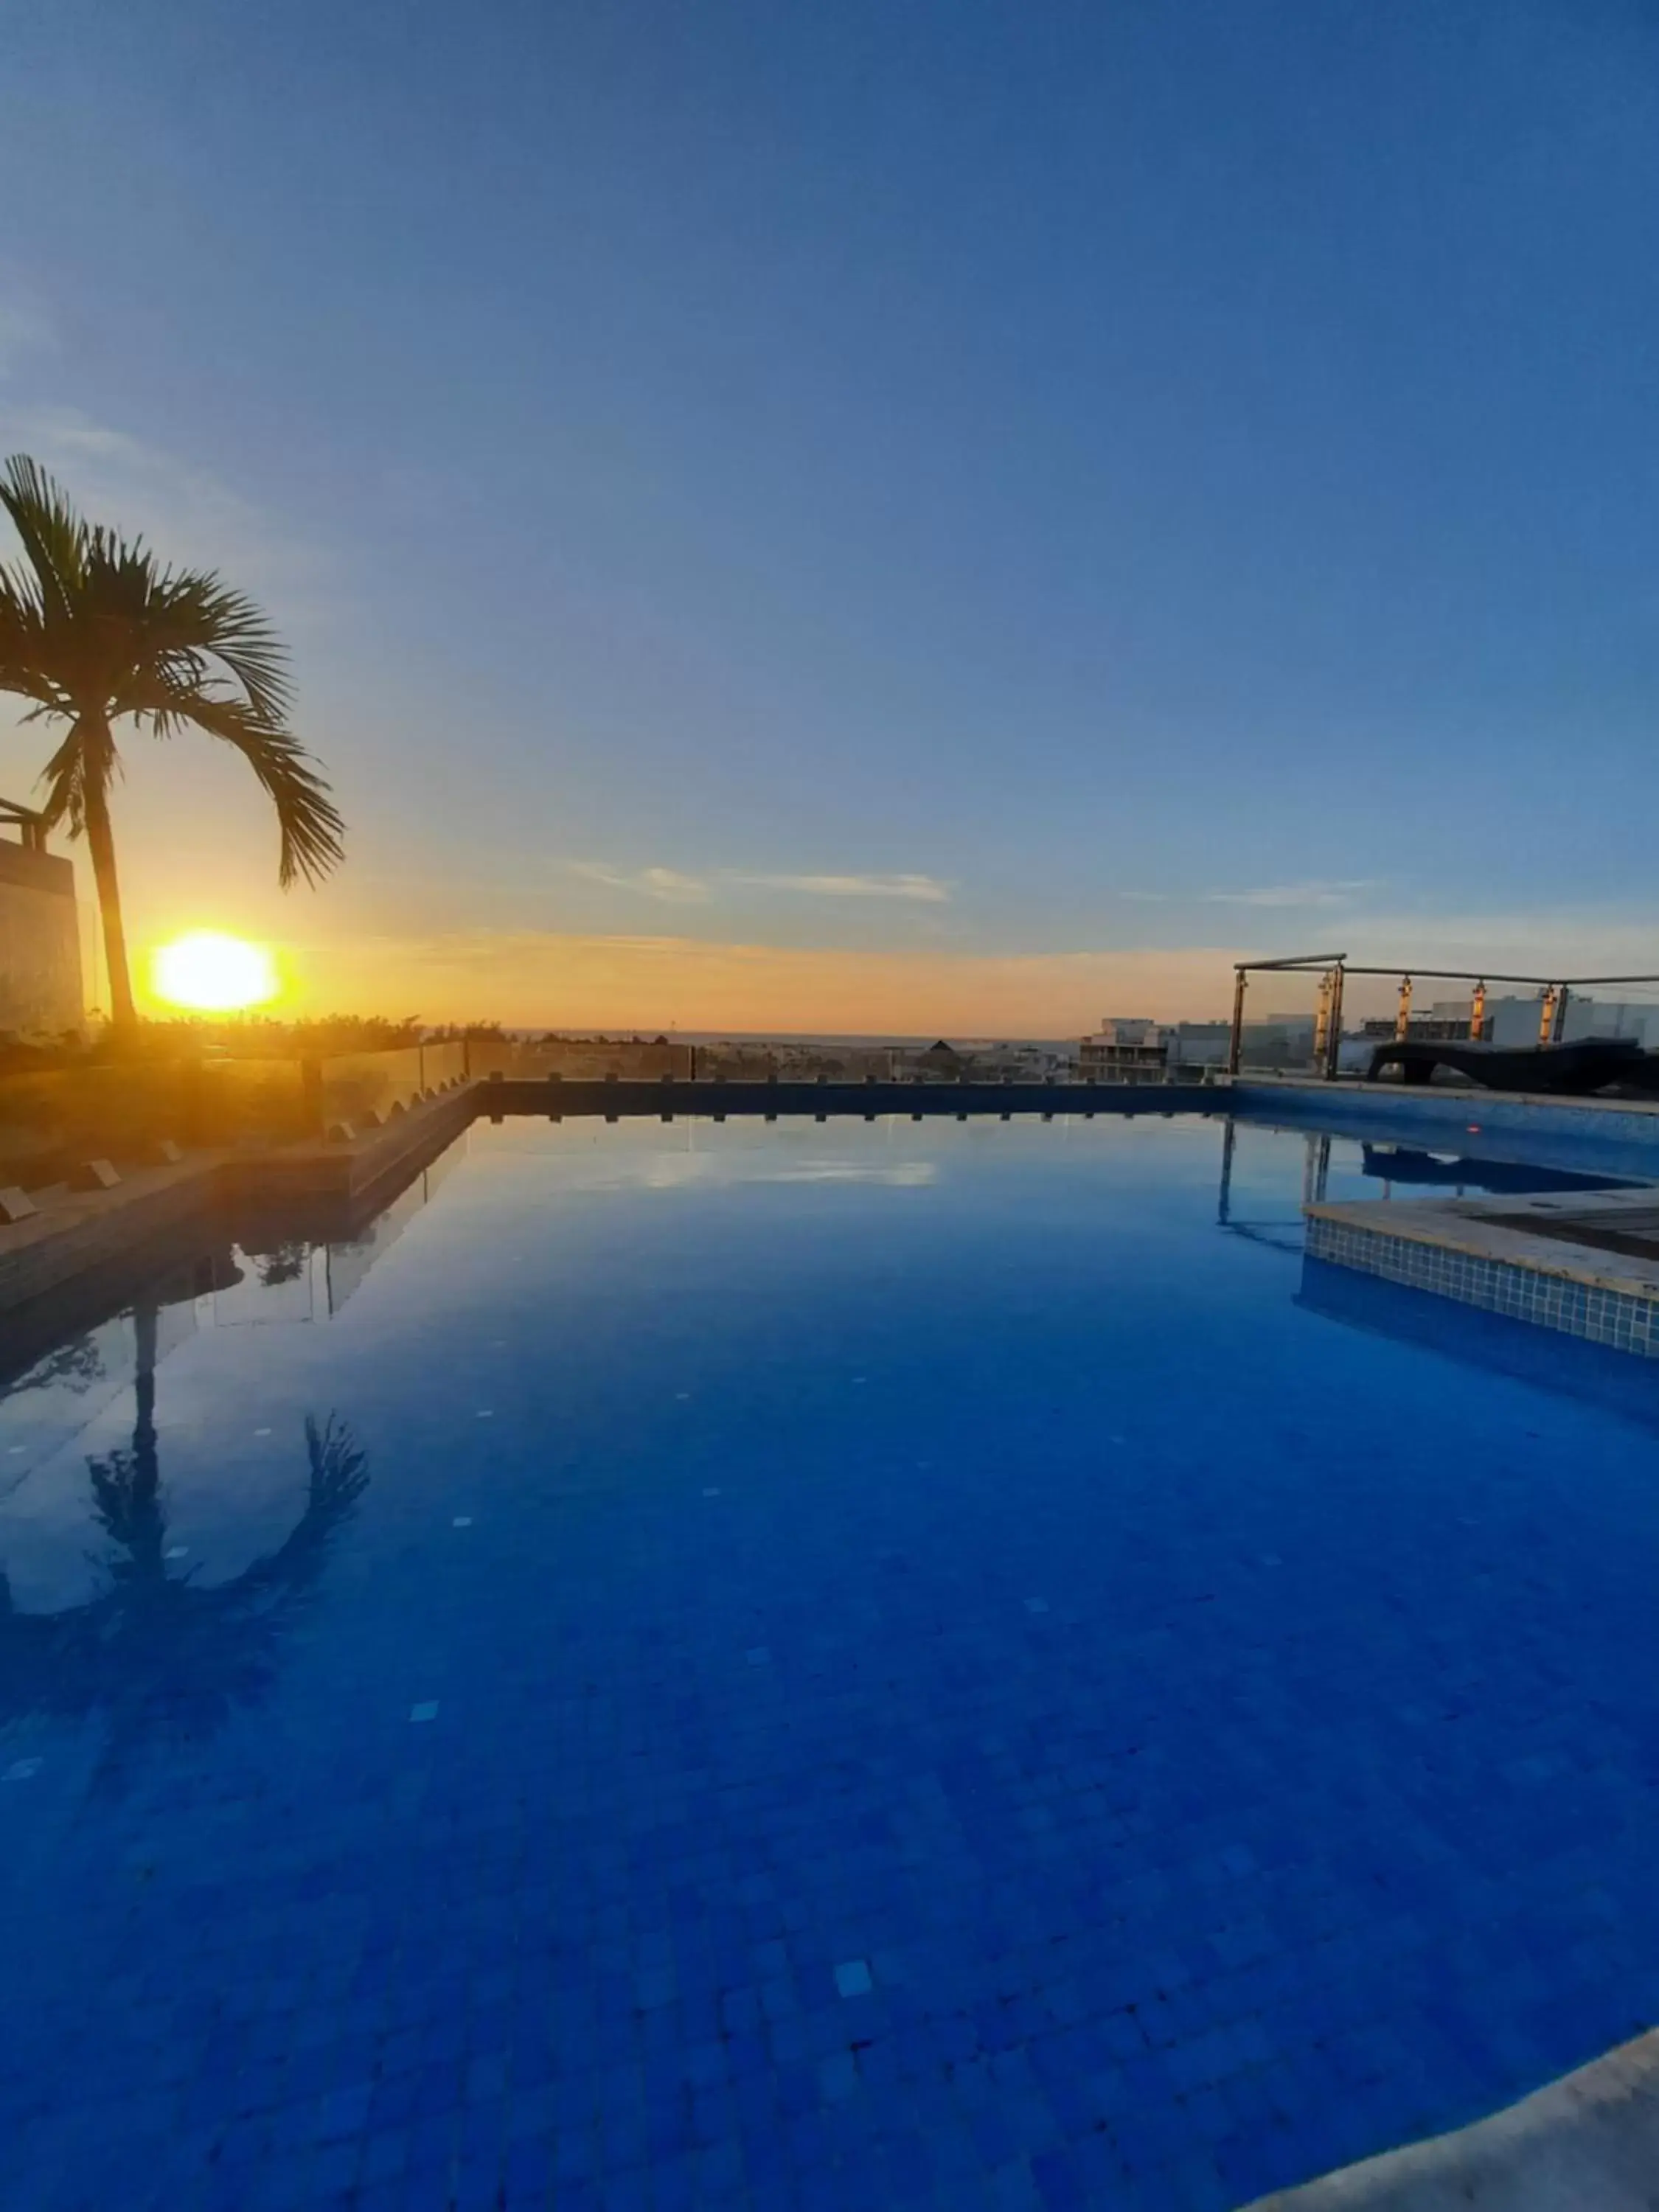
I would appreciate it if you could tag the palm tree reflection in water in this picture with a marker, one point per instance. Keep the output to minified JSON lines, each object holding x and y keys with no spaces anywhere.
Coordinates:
{"x":155,"y":1654}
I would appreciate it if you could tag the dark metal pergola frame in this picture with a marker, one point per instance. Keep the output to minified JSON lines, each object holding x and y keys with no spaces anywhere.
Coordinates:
{"x":1334,"y":969}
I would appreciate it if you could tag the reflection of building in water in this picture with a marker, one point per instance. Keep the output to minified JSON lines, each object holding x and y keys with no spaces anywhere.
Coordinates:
{"x":298,"y":1281}
{"x":347,"y":1262}
{"x":81,"y":1379}
{"x":1388,"y":1164}
{"x":45,"y":1404}
{"x":1281,"y":1235}
{"x":257,"y":1288}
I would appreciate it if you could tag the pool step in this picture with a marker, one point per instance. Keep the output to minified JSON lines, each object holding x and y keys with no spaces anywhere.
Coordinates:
{"x":1586,"y":1264}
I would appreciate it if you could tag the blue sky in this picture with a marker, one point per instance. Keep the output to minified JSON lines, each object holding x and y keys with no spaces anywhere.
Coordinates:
{"x":962,"y":508}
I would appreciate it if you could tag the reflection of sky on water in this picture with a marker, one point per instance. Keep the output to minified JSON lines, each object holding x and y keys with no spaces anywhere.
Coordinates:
{"x":75,"y":1406}
{"x":152,"y":1650}
{"x":650,"y":1155}
{"x":677,"y":1171}
{"x":214,"y":1416}
{"x":46,"y":1550}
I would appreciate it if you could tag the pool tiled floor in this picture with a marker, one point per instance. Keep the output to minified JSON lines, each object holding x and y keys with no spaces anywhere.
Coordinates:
{"x":955,"y":1691}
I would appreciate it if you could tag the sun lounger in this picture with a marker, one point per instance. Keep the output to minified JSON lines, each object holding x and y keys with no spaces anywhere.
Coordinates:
{"x":1568,"y":1070}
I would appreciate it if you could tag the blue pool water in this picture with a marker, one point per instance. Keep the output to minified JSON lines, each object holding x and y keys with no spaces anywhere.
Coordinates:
{"x":811,"y":1667}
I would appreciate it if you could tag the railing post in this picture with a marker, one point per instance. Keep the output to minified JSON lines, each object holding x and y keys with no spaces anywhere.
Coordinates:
{"x":199,"y":1123}
{"x":1334,"y":1042}
{"x":1402,"y":1020}
{"x":1224,"y":1197}
{"x":1546,"y":1014}
{"x":1478,"y":1014}
{"x":1235,"y":1047}
{"x":311,"y":1094}
{"x":1558,"y":1028}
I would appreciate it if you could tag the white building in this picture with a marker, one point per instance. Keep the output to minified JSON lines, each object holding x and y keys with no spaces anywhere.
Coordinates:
{"x":1125,"y":1050}
{"x":1515,"y":1022}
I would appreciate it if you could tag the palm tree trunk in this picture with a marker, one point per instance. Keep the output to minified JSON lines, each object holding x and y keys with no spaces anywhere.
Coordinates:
{"x":100,"y":843}
{"x":145,"y":1315}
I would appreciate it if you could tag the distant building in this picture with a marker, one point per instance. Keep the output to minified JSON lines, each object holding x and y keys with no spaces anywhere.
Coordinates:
{"x":1125,"y":1050}
{"x":1516,"y":1020}
{"x":1018,"y":1061}
{"x":39,"y":938}
{"x":1433,"y":1027}
{"x":1278,"y":1042}
{"x":941,"y":1061}
{"x":1195,"y":1046}
{"x":1610,"y":1018}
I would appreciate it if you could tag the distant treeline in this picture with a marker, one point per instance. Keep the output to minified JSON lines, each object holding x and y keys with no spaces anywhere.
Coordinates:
{"x":264,"y":1036}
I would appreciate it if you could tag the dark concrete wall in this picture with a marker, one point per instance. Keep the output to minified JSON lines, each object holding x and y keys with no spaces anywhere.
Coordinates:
{"x":522,"y":1096}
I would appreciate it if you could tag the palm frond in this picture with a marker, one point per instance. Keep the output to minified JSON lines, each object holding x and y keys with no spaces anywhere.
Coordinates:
{"x":53,"y":536}
{"x":86,"y":759}
{"x":93,"y":628}
{"x":313,"y":832}
{"x":24,"y":648}
{"x":195,"y":612}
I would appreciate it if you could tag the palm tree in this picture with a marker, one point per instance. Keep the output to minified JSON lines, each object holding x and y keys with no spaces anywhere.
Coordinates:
{"x":93,"y":628}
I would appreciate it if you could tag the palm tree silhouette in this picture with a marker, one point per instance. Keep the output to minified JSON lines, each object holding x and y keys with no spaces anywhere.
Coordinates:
{"x":93,"y":628}
{"x":158,"y":1655}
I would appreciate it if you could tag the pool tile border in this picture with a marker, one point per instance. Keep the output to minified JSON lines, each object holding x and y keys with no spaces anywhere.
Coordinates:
{"x":1454,"y":1251}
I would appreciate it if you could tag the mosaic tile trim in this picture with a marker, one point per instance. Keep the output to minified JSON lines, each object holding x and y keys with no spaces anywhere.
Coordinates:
{"x":1601,"y":1316}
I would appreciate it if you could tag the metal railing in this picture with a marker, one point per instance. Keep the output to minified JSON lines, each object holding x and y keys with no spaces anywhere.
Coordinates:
{"x":1333,"y":970}
{"x":30,"y":826}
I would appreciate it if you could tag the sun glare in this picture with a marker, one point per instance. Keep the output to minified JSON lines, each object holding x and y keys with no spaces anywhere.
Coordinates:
{"x":212,"y":973}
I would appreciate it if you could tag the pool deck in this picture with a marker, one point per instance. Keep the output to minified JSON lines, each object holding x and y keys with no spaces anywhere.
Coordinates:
{"x":1587,"y":2143}
{"x":75,"y":1233}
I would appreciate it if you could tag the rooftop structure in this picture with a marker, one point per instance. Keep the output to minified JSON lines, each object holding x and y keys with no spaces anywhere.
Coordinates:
{"x":39,"y":940}
{"x":1126,"y":1048}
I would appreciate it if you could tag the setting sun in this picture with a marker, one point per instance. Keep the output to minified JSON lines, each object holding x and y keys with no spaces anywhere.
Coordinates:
{"x":213,"y":973}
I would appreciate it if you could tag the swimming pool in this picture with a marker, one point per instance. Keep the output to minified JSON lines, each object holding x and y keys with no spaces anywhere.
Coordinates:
{"x":812,"y":1666}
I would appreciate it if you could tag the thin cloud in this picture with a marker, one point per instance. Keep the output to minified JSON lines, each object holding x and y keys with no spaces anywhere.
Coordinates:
{"x":667,"y":885}
{"x":673,"y":886}
{"x":1556,"y":941}
{"x":928,"y":890}
{"x":23,"y":330}
{"x":1292,"y":895}
{"x":190,"y":517}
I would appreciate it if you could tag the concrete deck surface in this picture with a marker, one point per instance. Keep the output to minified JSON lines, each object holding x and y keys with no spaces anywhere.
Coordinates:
{"x":1587,"y":2143}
